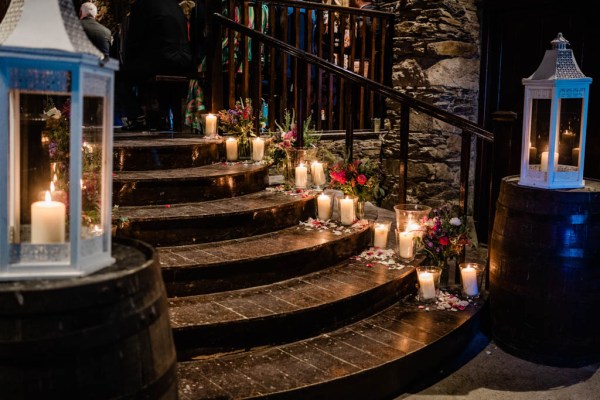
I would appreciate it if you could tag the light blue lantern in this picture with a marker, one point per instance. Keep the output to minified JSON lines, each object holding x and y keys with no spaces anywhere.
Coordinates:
{"x":555,"y":121}
{"x":56,"y":106}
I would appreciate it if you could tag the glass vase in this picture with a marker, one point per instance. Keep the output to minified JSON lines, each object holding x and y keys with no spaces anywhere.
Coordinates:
{"x":298,"y":162}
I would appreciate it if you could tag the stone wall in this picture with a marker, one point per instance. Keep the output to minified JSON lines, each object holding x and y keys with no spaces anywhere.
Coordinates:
{"x":436,"y":59}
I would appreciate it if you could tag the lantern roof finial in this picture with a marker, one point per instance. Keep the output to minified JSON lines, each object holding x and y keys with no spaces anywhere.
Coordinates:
{"x":45,"y":24}
{"x":558,"y":63}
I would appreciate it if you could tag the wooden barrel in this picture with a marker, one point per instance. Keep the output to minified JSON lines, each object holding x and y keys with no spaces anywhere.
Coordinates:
{"x":104,"y":336}
{"x":545,"y":273}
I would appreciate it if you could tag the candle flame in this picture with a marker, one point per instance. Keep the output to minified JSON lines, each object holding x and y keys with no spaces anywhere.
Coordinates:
{"x":55,"y":178}
{"x":48,"y":198}
{"x":52,"y":187}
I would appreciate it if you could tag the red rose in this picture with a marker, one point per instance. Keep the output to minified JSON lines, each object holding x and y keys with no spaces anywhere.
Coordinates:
{"x":444,"y":241}
{"x":361,"y":179}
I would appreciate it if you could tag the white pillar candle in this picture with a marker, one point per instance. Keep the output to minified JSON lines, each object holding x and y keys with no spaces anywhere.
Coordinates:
{"x":347,"y":211}
{"x":544,"y":164}
{"x":232,"y":149}
{"x":258,"y":149}
{"x":211,"y":125}
{"x":324,"y":207}
{"x":469,"y":281}
{"x":405,"y":245}
{"x":380,"y":235}
{"x":427,"y":285}
{"x":317,"y":172}
{"x":532,"y":153}
{"x":575,"y":155}
{"x":301,"y":175}
{"x":48,"y":221}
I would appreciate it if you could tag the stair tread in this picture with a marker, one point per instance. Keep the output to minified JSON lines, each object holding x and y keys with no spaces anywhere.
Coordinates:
{"x":334,"y":284}
{"x":217,"y":170}
{"x":289,"y":240}
{"x":161,"y":141}
{"x":234,"y":205}
{"x":372,"y":343}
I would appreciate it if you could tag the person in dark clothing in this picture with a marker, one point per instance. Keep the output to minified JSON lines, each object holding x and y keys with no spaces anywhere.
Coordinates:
{"x":156,"y":44}
{"x":98,"y":34}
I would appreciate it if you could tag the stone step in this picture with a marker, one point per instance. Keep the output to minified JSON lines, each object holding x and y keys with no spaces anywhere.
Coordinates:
{"x":280,"y":312}
{"x":373,"y":358}
{"x":156,"y":152}
{"x":258,"y":260}
{"x":217,"y":220}
{"x":173,"y":186}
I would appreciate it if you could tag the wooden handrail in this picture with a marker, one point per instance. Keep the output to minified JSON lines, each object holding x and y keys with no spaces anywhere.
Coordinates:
{"x":378,"y":88}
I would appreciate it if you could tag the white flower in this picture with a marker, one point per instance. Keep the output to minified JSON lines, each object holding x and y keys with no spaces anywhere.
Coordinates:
{"x":53,"y":113}
{"x":455,"y":221}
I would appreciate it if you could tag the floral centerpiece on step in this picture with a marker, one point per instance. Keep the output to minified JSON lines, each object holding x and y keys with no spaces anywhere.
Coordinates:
{"x":445,"y":235}
{"x":286,"y":136}
{"x":239,"y":121}
{"x":359,"y":178}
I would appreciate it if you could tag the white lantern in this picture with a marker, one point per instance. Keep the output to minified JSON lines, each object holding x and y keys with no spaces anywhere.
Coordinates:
{"x":554,"y":121}
{"x":56,"y":111}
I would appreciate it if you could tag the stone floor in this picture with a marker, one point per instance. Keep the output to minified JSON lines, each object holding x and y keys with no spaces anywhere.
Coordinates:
{"x":486,"y":372}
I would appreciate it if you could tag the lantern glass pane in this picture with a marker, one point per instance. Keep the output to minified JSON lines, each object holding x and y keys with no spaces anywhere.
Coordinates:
{"x":42,"y":186}
{"x":91,"y":164}
{"x":539,"y":133}
{"x":570,"y":132}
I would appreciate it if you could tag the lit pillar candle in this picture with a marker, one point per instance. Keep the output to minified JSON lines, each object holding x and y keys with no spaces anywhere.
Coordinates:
{"x":544,"y":163}
{"x":380,"y":235}
{"x":211,"y":125}
{"x":469,"y":281}
{"x":575,"y":155}
{"x":405,"y":245}
{"x":427,"y":285}
{"x":232,"y":149}
{"x":48,"y":221}
{"x":317,"y":172}
{"x":301,"y":176}
{"x":347,"y":211}
{"x":258,"y":149}
{"x":324,"y":207}
{"x":532,"y":153}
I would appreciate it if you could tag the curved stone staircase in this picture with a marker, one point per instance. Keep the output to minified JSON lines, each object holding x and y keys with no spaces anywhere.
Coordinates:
{"x":260,"y":305}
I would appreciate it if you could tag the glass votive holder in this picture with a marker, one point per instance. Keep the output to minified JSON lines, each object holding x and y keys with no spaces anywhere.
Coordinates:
{"x":410,"y":216}
{"x":471,"y":277}
{"x":346,"y":207}
{"x":258,"y":149}
{"x":231,"y":148}
{"x":429,"y":282}
{"x":376,"y":124}
{"x":324,"y":206}
{"x":317,"y":174}
{"x":381,"y":232}
{"x":406,"y":245}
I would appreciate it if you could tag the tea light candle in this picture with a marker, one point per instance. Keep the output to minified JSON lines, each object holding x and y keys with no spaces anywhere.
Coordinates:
{"x":232,"y":149}
{"x":48,"y":221}
{"x":211,"y":125}
{"x":469,"y":281}
{"x":324,"y":207}
{"x":381,"y":235}
{"x":347,"y":211}
{"x":301,"y":176}
{"x":405,"y":245}
{"x":427,"y":285}
{"x":544,"y":164}
{"x":258,"y":149}
{"x":317,"y":172}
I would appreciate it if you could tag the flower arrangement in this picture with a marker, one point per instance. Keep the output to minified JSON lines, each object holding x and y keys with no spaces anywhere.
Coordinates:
{"x":445,"y":235}
{"x":360,"y":178}
{"x":238,"y":120}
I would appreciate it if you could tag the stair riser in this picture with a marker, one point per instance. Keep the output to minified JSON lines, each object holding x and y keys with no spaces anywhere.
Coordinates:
{"x":190,"y":281}
{"x":168,"y":157}
{"x":248,"y":333}
{"x":174,"y":191}
{"x":216,"y":227}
